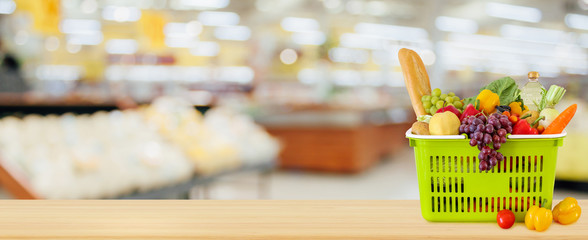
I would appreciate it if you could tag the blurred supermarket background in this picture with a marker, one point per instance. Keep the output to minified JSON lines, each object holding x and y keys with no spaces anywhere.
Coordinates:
{"x":249,"y":99}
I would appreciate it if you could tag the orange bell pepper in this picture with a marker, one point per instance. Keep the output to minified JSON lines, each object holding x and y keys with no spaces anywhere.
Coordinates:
{"x":518,"y":108}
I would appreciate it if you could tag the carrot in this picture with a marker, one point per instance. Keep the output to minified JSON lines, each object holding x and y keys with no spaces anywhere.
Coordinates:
{"x":561,"y":121}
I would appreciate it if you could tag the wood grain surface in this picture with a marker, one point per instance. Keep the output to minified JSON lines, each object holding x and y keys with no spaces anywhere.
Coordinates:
{"x":256,"y":219}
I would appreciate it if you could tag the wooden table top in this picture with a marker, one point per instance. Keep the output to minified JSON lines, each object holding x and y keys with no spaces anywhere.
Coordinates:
{"x":256,"y":219}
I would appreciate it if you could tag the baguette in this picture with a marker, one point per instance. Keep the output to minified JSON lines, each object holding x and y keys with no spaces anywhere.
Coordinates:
{"x":416,"y":78}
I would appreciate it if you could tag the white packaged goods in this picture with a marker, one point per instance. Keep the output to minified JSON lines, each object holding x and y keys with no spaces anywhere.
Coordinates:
{"x":108,"y":154}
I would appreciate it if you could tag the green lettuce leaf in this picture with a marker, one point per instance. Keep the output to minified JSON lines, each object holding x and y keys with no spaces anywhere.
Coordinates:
{"x":506,"y":88}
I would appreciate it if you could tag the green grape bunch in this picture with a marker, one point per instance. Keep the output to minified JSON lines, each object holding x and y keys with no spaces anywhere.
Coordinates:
{"x":438,"y":100}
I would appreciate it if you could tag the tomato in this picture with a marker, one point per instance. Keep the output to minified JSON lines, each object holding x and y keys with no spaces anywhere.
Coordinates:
{"x":505,"y":218}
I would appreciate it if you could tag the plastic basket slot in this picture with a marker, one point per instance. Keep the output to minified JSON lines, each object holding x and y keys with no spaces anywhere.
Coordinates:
{"x":438,"y":185}
{"x":523,"y":164}
{"x":517,"y":164}
{"x":442,"y":158}
{"x":462,"y":204}
{"x":433,"y":204}
{"x":444,"y":204}
{"x":486,"y":203}
{"x":437,"y":162}
{"x":431,"y":161}
{"x":444,"y":188}
{"x":462,"y":185}
{"x":474,"y":204}
{"x":535,"y":184}
{"x":438,"y":204}
{"x":467,"y":164}
{"x":455,"y":182}
{"x":455,"y":163}
{"x":461,"y":164}
{"x":522,"y":184}
{"x":541,"y":164}
{"x":541,"y":184}
{"x":449,"y":185}
{"x":450,"y":205}
{"x":529,"y":163}
{"x":456,"y":204}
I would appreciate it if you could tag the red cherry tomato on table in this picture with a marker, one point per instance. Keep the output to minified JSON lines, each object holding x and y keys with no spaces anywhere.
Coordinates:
{"x":505,"y":218}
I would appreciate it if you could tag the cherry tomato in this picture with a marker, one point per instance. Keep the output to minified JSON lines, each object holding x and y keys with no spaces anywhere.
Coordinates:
{"x":505,"y":218}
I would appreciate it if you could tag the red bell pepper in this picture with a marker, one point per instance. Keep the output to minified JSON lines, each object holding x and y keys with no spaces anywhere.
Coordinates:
{"x":470,"y":110}
{"x":523,"y":127}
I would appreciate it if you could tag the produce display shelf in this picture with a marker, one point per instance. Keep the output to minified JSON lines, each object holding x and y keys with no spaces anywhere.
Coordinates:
{"x":17,"y":186}
{"x":182,"y":190}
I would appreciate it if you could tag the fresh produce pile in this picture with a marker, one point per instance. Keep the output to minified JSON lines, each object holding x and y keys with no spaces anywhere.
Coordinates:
{"x":487,"y":118}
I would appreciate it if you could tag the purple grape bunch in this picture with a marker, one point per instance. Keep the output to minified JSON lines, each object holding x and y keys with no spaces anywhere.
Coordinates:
{"x":488,"y":133}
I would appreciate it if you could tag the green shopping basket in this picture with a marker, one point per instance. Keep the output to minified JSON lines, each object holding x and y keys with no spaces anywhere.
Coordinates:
{"x":453,"y":189}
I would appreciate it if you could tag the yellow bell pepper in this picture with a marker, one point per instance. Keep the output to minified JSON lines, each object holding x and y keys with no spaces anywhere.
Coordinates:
{"x":488,"y":101}
{"x":538,"y":218}
{"x":567,"y":211}
{"x":515,"y":108}
{"x":444,"y":123}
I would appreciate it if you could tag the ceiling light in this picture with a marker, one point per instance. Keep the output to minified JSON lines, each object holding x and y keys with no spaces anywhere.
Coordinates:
{"x":513,"y":12}
{"x":7,"y":6}
{"x":577,"y":21}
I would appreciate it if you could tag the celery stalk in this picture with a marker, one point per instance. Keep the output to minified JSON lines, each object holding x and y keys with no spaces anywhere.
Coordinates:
{"x":554,"y":95}
{"x":551,"y":97}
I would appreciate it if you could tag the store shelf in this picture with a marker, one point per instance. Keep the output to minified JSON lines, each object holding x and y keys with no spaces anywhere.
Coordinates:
{"x":181,"y":190}
{"x":17,"y":186}
{"x":171,"y":219}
